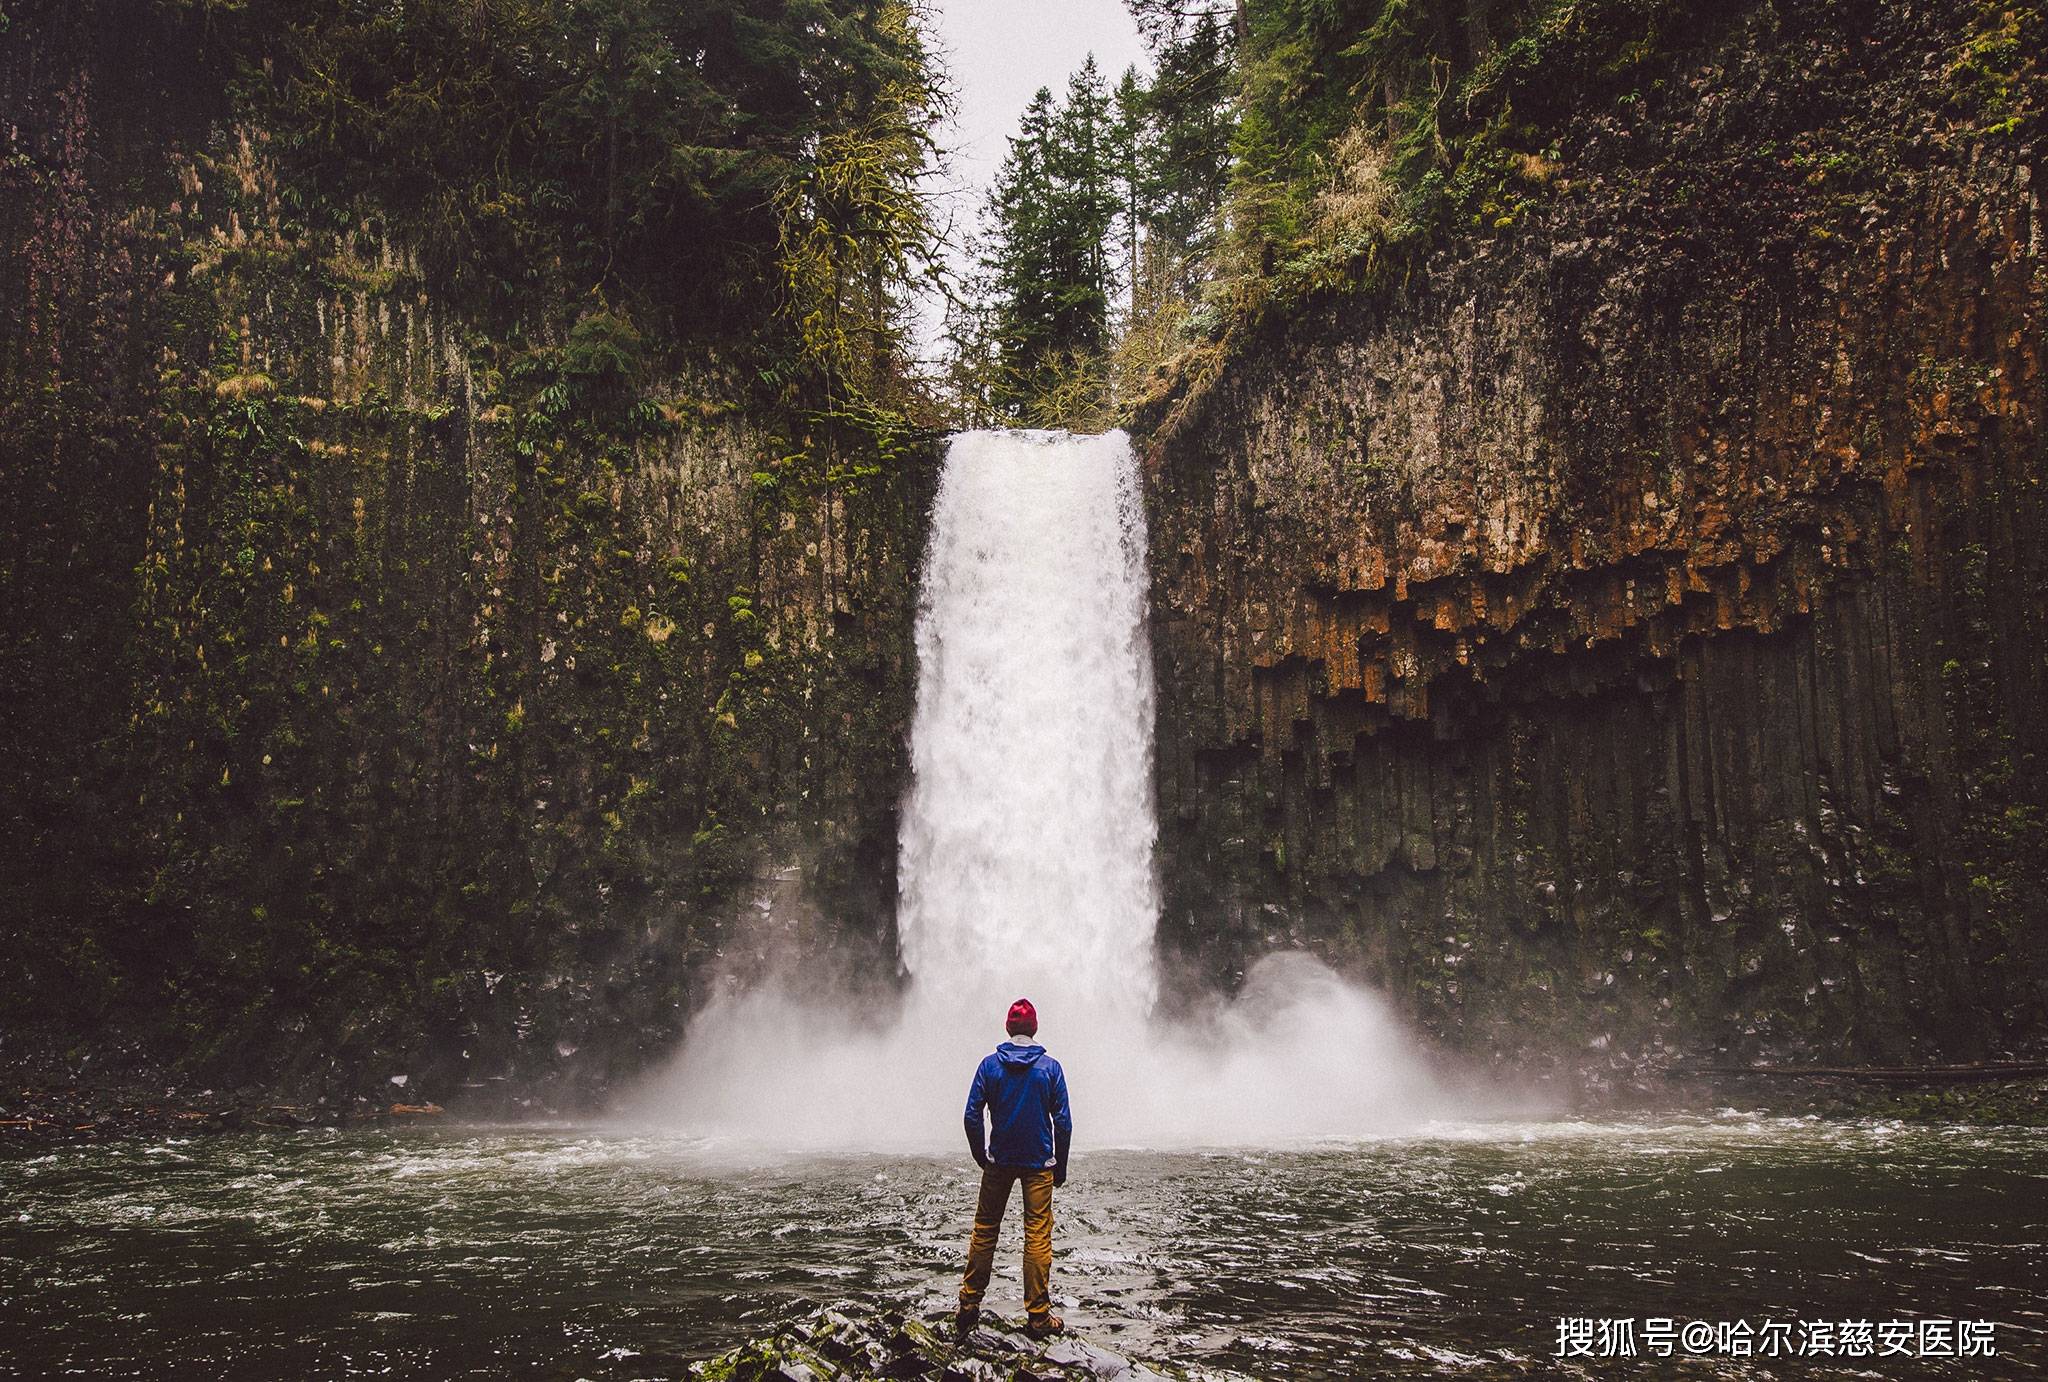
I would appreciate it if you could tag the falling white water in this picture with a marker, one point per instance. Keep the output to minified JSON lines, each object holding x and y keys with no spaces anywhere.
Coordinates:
{"x":1026,"y":870}
{"x":1026,"y":858}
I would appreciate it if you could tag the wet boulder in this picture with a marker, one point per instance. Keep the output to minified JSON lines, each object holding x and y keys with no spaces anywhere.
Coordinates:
{"x":846,"y":1343}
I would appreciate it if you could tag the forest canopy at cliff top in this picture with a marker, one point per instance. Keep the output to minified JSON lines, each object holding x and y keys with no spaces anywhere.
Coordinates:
{"x":1287,"y":148}
{"x":680,"y":157}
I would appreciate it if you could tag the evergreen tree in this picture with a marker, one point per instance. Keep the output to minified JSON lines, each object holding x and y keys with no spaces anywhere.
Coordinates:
{"x":1130,"y":155}
{"x":1190,"y":123}
{"x":1048,"y":267}
{"x":1101,"y":192}
{"x":1084,"y":185}
{"x":1018,"y":271}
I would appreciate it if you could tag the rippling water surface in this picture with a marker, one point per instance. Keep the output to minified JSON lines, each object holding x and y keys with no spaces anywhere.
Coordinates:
{"x":577,"y":1252}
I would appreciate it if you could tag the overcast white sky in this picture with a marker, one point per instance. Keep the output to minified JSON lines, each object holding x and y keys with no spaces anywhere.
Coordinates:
{"x":999,"y":52}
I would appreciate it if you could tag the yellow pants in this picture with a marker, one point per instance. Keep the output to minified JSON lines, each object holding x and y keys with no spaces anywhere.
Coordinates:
{"x":988,"y":1218}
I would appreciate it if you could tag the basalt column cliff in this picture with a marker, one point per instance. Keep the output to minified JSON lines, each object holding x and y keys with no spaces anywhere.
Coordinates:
{"x":1621,"y":632}
{"x":447,"y":621}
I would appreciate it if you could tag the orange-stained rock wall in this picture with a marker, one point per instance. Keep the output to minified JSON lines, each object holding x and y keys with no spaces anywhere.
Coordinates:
{"x":1625,"y":639}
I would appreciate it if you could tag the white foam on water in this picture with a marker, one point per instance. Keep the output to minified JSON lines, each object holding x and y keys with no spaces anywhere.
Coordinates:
{"x":1026,"y":869}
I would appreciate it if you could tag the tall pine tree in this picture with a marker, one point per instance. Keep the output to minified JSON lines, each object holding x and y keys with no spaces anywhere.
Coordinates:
{"x":1189,"y":121}
{"x":1049,"y":266}
{"x":1103,"y":191}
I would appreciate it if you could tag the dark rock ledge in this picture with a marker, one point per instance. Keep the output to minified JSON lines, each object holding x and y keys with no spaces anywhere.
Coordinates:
{"x":37,"y":1114}
{"x":847,"y":1343}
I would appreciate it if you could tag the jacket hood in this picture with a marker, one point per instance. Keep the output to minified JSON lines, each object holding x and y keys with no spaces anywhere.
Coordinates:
{"x":1010,"y":1053}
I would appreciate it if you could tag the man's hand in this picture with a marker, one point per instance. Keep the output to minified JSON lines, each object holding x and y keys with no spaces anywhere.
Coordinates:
{"x":981,"y":1161}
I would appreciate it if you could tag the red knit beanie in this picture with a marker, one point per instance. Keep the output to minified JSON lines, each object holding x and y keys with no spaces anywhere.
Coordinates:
{"x":1023,"y":1019}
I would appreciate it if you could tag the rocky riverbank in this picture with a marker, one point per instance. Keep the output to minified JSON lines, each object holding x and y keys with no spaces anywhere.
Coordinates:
{"x":845,"y":1343}
{"x":82,"y":1113}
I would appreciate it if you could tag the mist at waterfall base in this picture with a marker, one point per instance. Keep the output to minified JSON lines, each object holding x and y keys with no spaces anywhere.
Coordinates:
{"x":1026,"y":870}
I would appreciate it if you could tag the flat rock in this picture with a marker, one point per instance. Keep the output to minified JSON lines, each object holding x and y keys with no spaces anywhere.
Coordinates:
{"x":845,"y":1343}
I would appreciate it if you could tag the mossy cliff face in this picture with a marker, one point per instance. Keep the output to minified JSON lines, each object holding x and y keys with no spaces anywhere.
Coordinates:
{"x":1623,"y":635}
{"x":384,"y":694}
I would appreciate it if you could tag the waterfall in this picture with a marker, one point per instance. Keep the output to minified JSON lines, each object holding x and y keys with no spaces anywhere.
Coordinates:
{"x":1025,"y":870}
{"x":1026,"y":852}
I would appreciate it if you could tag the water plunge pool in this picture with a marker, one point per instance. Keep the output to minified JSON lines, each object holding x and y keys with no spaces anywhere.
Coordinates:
{"x":583,"y":1252}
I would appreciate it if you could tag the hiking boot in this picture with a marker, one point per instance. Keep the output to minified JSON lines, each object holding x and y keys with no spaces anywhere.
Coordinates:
{"x":966,"y":1320}
{"x":1046,"y":1327}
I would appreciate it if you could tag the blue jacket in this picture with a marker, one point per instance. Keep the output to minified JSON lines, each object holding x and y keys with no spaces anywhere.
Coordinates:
{"x":1026,"y":1094}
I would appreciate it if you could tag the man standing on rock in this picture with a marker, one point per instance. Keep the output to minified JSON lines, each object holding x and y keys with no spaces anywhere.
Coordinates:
{"x":1025,"y":1092}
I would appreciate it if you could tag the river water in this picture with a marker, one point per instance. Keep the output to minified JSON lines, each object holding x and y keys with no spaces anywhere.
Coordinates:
{"x":585,"y":1252}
